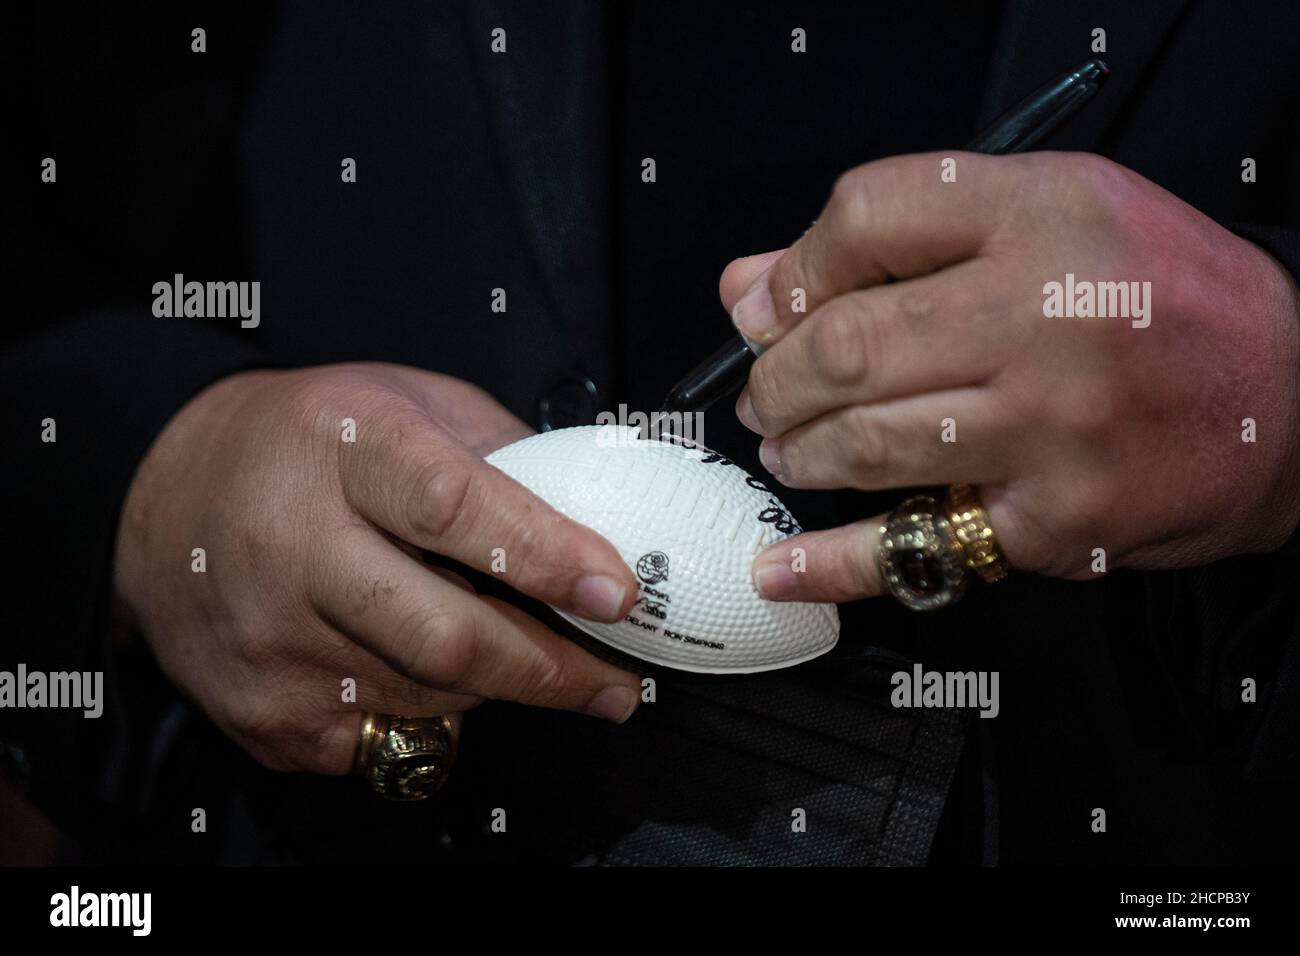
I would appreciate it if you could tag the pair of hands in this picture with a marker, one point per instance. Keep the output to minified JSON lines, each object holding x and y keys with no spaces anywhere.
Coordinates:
{"x":923,"y":303}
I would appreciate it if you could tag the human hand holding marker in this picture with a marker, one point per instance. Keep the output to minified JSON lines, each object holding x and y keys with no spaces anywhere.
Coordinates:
{"x":1019,"y":128}
{"x":925,"y":308}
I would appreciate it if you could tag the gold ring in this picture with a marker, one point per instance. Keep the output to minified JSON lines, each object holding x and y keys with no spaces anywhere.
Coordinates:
{"x":971,"y":526}
{"x":405,"y":758}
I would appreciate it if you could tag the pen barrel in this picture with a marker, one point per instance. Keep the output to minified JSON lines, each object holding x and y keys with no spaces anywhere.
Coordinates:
{"x":713,"y":378}
{"x":1037,"y":115}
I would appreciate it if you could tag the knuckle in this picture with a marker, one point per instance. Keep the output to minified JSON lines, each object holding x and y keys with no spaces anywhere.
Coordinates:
{"x":1093,"y":169}
{"x":438,"y":648}
{"x":851,"y":194}
{"x":869,"y":445}
{"x":315,"y":404}
{"x":255,"y":645}
{"x":845,"y":344}
{"x":1017,"y":399}
{"x":1099,"y":189}
{"x":548,"y":554}
{"x":265,"y":533}
{"x":249,"y":539}
{"x":1096,"y":413}
{"x":769,"y":392}
{"x":862,"y":195}
{"x":860,"y":565}
{"x":374,"y":402}
{"x":301,"y":397}
{"x":1026,"y":536}
{"x":445,"y":498}
{"x":545,"y":681}
{"x":260,"y":722}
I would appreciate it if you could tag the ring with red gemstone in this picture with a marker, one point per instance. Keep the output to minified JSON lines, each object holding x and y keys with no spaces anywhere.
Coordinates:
{"x":921,"y":559}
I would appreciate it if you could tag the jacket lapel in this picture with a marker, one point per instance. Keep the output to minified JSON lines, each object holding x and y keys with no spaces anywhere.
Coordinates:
{"x":1039,"y":40}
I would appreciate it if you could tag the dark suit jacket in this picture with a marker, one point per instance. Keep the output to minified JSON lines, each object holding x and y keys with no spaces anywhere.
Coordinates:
{"x":479,"y":172}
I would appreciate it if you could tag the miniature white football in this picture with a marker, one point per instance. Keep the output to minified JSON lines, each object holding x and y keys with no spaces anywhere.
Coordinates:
{"x":688,"y":523}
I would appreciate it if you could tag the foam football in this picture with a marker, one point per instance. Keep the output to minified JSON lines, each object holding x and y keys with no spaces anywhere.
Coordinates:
{"x":688,"y":522}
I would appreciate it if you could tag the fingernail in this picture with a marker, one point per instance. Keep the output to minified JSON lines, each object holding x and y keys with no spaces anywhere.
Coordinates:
{"x":769,"y":453}
{"x":754,"y":314}
{"x":599,"y":598}
{"x":745,"y":411}
{"x":775,"y":581}
{"x":614,"y":703}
